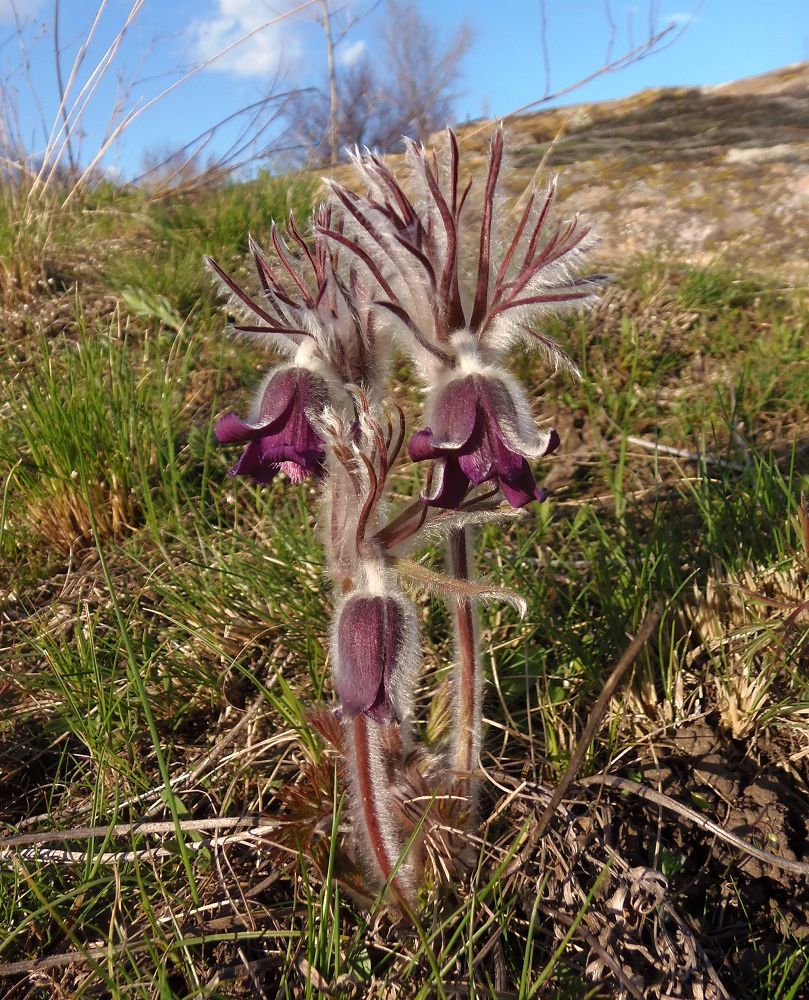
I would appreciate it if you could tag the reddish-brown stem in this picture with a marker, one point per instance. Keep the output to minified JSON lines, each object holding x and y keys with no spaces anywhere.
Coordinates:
{"x":365,"y":791}
{"x":468,"y":680}
{"x":371,"y":789}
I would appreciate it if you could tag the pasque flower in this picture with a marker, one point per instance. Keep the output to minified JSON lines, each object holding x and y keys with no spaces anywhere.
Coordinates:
{"x":418,"y":252}
{"x":313,"y":310}
{"x":458,"y":287}
{"x":370,"y":640}
{"x":477,"y":436}
{"x":372,"y":269}
{"x":281,"y":436}
{"x":375,"y":647}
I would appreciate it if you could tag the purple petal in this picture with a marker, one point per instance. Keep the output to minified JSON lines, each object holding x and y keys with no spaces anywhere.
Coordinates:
{"x":279,"y":393}
{"x":420,"y":447}
{"x":455,"y":412}
{"x":231,"y":429}
{"x":521,"y":435}
{"x":496,"y":401}
{"x":367,"y":646}
{"x":521,"y":488}
{"x":299,"y":433}
{"x":252,"y":464}
{"x":507,"y":463}
{"x":276,"y":399}
{"x":450,"y":485}
{"x":478,"y":459}
{"x":553,"y":441}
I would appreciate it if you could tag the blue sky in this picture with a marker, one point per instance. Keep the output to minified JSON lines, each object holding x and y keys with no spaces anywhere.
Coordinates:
{"x":504,"y":69}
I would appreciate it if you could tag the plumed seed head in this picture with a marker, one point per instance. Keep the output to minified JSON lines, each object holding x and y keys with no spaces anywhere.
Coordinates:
{"x":421,"y":254}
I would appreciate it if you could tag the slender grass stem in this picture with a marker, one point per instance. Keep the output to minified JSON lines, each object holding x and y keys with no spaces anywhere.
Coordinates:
{"x":143,"y":697}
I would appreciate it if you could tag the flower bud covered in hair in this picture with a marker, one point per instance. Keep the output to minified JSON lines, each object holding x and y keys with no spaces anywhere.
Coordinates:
{"x":375,"y":654}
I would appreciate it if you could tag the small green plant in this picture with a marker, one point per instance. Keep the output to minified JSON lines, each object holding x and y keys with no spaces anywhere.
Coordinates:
{"x":82,"y":447}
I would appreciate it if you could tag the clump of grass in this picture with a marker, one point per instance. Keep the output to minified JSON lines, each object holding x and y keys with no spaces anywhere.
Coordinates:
{"x":716,"y":291}
{"x":171,"y":235}
{"x":93,"y":426}
{"x":752,"y":623}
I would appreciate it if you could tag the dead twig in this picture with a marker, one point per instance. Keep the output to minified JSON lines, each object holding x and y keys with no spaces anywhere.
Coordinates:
{"x":129,"y":829}
{"x":691,"y":456}
{"x":64,"y":959}
{"x":658,"y":798}
{"x":593,"y":722}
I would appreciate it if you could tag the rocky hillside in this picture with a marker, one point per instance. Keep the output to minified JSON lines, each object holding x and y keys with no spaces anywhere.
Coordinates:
{"x":710,"y":174}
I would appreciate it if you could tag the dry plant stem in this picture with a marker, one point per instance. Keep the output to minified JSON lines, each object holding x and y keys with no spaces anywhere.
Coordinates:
{"x":598,"y":949}
{"x":692,"y":456}
{"x":325,"y":20}
{"x":590,"y":729}
{"x":620,"y":784}
{"x":138,"y":827}
{"x":116,"y":128}
{"x":468,"y":679}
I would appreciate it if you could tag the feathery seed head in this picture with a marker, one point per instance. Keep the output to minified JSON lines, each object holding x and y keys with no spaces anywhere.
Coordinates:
{"x":437,"y":272}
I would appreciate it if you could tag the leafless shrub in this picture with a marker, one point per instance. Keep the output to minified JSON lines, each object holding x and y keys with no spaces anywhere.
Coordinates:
{"x":373,"y":102}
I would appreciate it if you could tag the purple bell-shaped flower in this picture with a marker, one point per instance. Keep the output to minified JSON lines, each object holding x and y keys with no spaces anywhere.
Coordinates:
{"x":374,"y":647}
{"x":281,"y":438}
{"x":480,"y":433}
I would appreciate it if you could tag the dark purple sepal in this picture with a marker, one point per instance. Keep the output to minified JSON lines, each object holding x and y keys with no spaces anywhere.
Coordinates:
{"x":231,"y":429}
{"x":476,"y":439}
{"x":521,"y":489}
{"x":420,"y":447}
{"x":282,"y":438}
{"x":449,"y":486}
{"x":369,"y":633}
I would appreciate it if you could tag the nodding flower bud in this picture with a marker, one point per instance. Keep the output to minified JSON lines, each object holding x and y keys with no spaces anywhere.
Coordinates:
{"x":375,"y":655}
{"x":281,"y":437}
{"x":481,"y":431}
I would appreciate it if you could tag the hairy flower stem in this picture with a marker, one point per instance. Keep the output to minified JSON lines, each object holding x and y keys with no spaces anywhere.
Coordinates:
{"x":468,"y":687}
{"x":372,"y":791}
{"x":369,"y":744}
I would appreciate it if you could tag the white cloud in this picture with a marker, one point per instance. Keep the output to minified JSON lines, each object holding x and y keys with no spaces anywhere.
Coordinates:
{"x":111,"y":171}
{"x":259,"y":54}
{"x":350,"y":55}
{"x":21,"y":9}
{"x":680,"y":17}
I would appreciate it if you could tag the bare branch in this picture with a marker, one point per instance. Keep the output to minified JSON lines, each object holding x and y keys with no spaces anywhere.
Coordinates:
{"x":655,"y":42}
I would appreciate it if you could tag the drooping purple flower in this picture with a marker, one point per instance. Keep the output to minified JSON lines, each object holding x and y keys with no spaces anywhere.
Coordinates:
{"x":281,"y":438}
{"x":479,"y":435}
{"x":369,"y":653}
{"x":420,"y":252}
